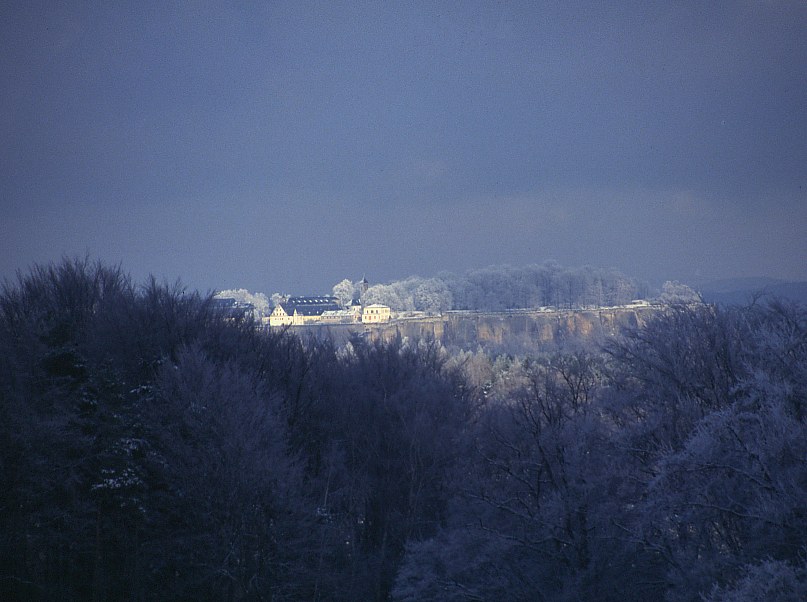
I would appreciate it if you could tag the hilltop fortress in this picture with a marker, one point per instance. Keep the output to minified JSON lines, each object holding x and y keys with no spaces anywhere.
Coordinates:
{"x":304,"y":311}
{"x":352,"y":312}
{"x":516,"y":331}
{"x":513,"y":331}
{"x":327,"y":309}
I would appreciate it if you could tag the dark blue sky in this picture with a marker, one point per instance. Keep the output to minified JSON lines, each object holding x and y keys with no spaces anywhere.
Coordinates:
{"x":284,"y":146}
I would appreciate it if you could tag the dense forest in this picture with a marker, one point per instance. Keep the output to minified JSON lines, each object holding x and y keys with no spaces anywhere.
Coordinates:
{"x":153,"y":448}
{"x":497,"y":288}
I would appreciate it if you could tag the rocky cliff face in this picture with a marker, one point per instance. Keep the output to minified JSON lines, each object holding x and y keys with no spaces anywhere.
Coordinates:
{"x":505,"y":332}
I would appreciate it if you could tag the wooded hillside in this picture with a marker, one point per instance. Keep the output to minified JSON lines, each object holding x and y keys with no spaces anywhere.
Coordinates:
{"x":152,"y":448}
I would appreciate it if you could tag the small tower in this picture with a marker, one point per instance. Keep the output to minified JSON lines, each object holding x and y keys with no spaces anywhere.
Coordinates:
{"x":363,"y":285}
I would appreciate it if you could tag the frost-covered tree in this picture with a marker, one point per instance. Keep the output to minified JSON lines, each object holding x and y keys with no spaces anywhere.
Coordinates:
{"x":673,"y":471}
{"x":497,"y":288}
{"x":345,"y":292}
{"x":706,"y":403}
{"x":432,"y":295}
{"x":769,"y":581}
{"x":277,"y":298}
{"x":395,"y":295}
{"x":675,"y":292}
{"x":258,"y":300}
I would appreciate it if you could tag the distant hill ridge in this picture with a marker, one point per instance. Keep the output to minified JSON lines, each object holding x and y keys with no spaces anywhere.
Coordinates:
{"x":740,"y":291}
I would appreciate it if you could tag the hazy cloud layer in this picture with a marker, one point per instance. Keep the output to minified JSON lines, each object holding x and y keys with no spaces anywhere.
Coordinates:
{"x":291,"y":145}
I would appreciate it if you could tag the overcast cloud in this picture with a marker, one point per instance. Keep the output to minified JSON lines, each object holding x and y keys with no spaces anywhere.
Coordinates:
{"x":285,"y":146}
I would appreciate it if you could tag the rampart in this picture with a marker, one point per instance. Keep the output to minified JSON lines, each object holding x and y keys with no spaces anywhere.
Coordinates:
{"x":514,"y":331}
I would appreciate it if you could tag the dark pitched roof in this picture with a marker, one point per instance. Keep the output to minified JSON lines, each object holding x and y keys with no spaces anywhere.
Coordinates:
{"x":324,"y":299}
{"x":314,"y":311}
{"x":310,"y":306}
{"x":223,"y":302}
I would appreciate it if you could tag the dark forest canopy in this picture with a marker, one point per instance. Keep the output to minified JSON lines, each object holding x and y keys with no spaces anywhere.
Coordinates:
{"x":153,"y":448}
